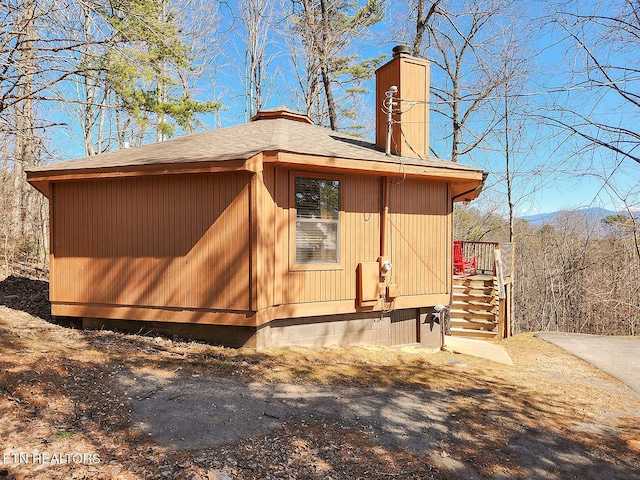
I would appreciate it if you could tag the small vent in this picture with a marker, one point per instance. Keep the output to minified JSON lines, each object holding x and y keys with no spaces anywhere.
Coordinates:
{"x":399,"y":49}
{"x":281,"y":112}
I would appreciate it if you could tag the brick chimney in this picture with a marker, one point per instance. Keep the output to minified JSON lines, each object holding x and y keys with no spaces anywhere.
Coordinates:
{"x":410,"y":130}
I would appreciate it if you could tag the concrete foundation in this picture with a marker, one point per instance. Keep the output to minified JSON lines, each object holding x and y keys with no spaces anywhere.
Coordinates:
{"x":224,"y":335}
{"x":356,"y":329}
{"x":398,"y":327}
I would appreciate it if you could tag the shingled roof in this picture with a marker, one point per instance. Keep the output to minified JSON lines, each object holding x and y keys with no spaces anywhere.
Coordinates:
{"x":279,"y":129}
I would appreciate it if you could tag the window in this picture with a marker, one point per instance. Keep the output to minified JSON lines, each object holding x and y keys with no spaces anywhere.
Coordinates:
{"x":317,"y":220}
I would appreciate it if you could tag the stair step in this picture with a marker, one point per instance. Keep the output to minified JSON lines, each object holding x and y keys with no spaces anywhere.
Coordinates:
{"x":475,"y":307}
{"x":462,"y":304}
{"x":473,"y":303}
{"x":473,"y":283}
{"x":475,"y":315}
{"x":478,"y":334}
{"x":470,"y":321}
{"x":475,"y":293}
{"x":483,"y":314}
{"x":472,"y":315}
{"x":480,"y":290}
{"x":474,"y":325}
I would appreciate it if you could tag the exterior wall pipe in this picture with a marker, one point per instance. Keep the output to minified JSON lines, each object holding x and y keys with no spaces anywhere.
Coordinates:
{"x":441,"y":312}
{"x":384,"y":216}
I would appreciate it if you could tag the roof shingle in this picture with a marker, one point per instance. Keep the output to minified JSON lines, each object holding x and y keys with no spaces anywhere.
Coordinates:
{"x":278,"y":131}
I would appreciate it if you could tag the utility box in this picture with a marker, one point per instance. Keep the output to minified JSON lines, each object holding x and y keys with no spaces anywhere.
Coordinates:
{"x":368,"y":280}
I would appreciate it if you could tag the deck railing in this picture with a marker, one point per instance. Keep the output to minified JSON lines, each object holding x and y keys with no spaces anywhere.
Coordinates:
{"x":485,"y":253}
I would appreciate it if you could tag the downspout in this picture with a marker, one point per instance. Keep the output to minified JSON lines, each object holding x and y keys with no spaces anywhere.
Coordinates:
{"x":440,"y":315}
{"x":384,"y":216}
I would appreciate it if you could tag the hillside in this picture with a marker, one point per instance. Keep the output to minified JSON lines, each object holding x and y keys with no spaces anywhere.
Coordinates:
{"x":594,"y":215}
{"x":103,"y":405}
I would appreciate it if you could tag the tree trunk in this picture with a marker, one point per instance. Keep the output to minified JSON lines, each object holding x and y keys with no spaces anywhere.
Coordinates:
{"x":25,"y":138}
{"x":422,"y":21}
{"x":324,"y":68}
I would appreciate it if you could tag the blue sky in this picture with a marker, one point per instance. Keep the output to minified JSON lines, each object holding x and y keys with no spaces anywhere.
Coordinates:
{"x":552,"y":172}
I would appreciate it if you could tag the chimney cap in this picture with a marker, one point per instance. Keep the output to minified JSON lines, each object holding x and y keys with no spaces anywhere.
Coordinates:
{"x":400,"y":49}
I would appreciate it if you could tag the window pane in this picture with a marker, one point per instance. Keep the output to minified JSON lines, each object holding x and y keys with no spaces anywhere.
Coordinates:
{"x":317,"y":198}
{"x":316,"y":242}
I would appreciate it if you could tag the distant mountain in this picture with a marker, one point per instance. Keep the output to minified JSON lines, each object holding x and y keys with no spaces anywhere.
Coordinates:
{"x":594,"y":214}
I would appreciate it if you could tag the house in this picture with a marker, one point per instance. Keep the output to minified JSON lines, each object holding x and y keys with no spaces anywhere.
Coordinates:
{"x":276,"y":232}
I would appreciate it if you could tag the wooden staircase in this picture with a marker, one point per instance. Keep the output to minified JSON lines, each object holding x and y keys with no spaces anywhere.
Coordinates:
{"x":475,"y":307}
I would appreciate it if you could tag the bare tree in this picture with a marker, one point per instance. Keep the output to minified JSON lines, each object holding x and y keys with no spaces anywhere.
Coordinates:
{"x":255,"y":16}
{"x":459,"y":38}
{"x":137,"y":69}
{"x":604,"y":41}
{"x":105,"y":59}
{"x":326,"y":29}
{"x":576,"y":277}
{"x":21,"y":79}
{"x":513,"y":69}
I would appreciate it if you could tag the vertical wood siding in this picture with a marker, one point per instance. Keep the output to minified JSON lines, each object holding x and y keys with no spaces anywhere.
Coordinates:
{"x":184,"y":241}
{"x":419,"y":236}
{"x":176,"y":241}
{"x":418,"y":239}
{"x":411,"y":76}
{"x":403,"y":328}
{"x":359,"y":241}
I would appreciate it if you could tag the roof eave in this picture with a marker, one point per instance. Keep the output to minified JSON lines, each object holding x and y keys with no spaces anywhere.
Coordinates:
{"x":39,"y":178}
{"x":468,"y":179}
{"x":466,"y":192}
{"x":466,"y":182}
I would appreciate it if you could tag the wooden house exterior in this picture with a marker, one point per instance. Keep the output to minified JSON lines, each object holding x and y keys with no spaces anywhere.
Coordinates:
{"x":265,"y":234}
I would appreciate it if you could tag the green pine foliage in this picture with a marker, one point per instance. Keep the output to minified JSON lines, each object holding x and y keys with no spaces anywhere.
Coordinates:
{"x":140,"y":66}
{"x":327,"y":28}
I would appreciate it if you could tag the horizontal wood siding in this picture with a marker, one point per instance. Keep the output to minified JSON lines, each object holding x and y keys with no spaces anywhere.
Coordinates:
{"x":419,"y":236}
{"x":174,"y":241}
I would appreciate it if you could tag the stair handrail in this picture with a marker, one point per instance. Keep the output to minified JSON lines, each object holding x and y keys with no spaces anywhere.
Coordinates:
{"x":485,"y":253}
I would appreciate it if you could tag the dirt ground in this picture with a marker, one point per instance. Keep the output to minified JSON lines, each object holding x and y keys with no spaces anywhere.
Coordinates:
{"x":105,"y":405}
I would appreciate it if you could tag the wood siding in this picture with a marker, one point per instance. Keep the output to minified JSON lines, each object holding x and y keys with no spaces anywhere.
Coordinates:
{"x":404,"y":327}
{"x":359,"y":241}
{"x":173,"y":241}
{"x":411,"y":76}
{"x":419,"y":233}
{"x":198,"y":244}
{"x":419,"y":237}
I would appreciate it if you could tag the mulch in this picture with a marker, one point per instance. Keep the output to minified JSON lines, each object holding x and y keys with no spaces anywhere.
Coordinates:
{"x":31,"y":295}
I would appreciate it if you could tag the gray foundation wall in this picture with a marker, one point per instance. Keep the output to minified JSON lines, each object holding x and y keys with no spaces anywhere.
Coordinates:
{"x":362,"y":328}
{"x":224,"y":335}
{"x":370,"y":328}
{"x":410,"y":326}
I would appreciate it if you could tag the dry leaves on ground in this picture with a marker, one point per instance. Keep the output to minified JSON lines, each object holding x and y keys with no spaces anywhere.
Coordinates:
{"x":549,"y":414}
